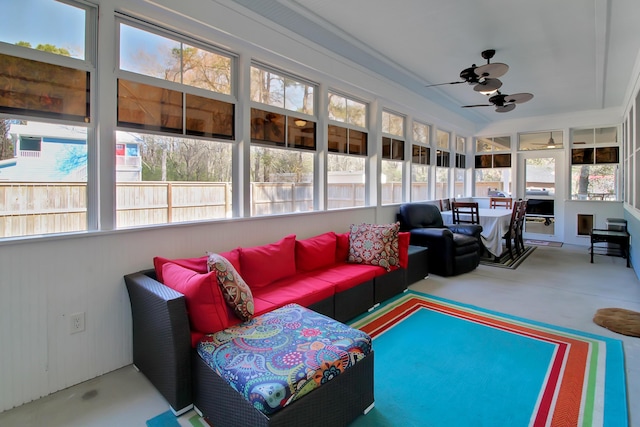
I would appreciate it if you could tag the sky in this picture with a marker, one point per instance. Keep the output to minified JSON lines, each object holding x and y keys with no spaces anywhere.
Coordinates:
{"x":43,"y":21}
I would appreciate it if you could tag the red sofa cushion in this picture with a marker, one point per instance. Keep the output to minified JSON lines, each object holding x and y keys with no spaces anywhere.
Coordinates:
{"x":262,"y":265}
{"x":316,"y":252}
{"x":303,"y":289}
{"x":345,"y":276}
{"x":207,"y":309}
{"x":403,"y":248}
{"x":342,"y":247}
{"x":199,"y":264}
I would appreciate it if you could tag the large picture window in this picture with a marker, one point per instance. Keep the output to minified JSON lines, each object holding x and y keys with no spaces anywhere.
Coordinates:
{"x":283,"y":142}
{"x":493,"y":167}
{"x":595,"y":160}
{"x":174,"y":114}
{"x":420,"y":161}
{"x":348,"y":148}
{"x":391,"y":178}
{"x":45,"y":117}
{"x":443,"y":163}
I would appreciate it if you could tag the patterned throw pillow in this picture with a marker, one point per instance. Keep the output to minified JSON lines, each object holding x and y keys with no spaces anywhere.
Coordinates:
{"x":236,"y":292}
{"x":374,"y":244}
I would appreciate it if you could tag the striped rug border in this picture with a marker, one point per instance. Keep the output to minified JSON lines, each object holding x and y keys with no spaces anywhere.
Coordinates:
{"x":573,"y":392}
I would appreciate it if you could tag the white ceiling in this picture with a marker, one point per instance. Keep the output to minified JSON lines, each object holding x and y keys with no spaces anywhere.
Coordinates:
{"x":572,"y":55}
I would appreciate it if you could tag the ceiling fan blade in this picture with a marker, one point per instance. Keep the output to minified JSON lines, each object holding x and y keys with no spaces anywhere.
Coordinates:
{"x":488,"y":85}
{"x":505,"y":108}
{"x":442,"y":84}
{"x":477,"y":105}
{"x":494,"y":70}
{"x":518,"y":98}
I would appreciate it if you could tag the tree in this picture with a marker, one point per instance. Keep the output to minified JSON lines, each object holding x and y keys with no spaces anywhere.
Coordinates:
{"x":6,"y":145}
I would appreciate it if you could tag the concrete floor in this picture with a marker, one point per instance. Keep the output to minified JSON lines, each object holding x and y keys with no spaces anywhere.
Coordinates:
{"x":554,"y":285}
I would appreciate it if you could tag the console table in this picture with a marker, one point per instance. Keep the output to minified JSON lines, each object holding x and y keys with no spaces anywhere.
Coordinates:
{"x":619,"y":238}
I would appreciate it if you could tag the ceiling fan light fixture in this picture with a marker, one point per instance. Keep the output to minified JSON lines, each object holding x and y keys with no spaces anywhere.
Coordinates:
{"x":551,"y":143}
{"x":489,"y":92}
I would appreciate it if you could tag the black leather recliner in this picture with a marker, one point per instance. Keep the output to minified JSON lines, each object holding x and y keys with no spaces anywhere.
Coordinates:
{"x":453,"y":249}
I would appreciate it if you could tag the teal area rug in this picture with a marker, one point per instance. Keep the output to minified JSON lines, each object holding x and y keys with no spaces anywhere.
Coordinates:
{"x":188,"y":419}
{"x":442,"y":363}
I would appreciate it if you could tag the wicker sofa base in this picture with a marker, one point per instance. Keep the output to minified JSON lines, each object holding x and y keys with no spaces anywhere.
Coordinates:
{"x":336,"y":403}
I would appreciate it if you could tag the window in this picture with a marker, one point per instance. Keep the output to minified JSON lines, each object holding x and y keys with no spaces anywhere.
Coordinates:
{"x":147,"y":52}
{"x":347,"y":110}
{"x":460,"y":166}
{"x":46,"y":25}
{"x":281,"y":181}
{"x":174,"y":114}
{"x":552,"y":140}
{"x":392,"y":157}
{"x":169,"y":179}
{"x":274,"y":88}
{"x":348,"y":148}
{"x":283,"y":143}
{"x":443,"y":164}
{"x":493,"y":169}
{"x":420,"y":161}
{"x":595,"y":160}
{"x":46,"y":107}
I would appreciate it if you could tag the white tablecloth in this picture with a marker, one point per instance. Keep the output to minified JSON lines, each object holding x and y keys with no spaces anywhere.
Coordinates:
{"x":494,"y":222}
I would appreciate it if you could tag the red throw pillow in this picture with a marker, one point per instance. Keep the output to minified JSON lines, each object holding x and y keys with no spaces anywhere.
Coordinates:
{"x":265,"y":264}
{"x":199,"y":265}
{"x":316,"y":252}
{"x":205,"y":303}
{"x":403,"y":248}
{"x":235,"y":291}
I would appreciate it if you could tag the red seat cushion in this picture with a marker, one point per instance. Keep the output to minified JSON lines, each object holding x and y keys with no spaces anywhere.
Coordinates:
{"x":345,"y":276}
{"x":302,"y":289}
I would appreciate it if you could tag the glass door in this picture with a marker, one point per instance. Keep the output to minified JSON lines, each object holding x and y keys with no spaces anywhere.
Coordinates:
{"x":541,"y":184}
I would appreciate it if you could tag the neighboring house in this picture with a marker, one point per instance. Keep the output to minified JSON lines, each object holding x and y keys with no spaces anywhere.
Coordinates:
{"x":52,"y":153}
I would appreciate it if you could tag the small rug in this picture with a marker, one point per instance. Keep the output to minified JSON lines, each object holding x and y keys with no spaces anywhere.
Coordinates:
{"x":507,"y":261}
{"x":188,"y":419}
{"x":442,"y":363}
{"x":619,"y":320}
{"x":543,"y":243}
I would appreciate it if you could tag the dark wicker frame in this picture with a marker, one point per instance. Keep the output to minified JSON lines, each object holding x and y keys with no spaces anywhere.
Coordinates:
{"x":162,"y":351}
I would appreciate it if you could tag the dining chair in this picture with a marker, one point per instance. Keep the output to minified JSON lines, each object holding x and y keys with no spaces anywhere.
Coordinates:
{"x":520,"y":220}
{"x":511,"y":235}
{"x":465,"y":213}
{"x":503,"y":202}
{"x":445,"y":204}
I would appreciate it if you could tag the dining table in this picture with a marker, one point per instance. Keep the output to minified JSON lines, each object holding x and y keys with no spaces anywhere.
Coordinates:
{"x":495,"y":223}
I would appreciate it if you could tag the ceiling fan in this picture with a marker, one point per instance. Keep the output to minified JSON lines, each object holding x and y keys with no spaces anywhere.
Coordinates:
{"x":503,"y":102}
{"x":483,"y":77}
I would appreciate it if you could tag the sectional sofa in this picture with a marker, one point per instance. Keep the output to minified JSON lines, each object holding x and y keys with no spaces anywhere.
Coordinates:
{"x":178,"y":303}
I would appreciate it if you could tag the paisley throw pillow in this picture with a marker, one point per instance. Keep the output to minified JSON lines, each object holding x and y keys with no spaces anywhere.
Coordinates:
{"x":374,"y":244}
{"x":235,"y":290}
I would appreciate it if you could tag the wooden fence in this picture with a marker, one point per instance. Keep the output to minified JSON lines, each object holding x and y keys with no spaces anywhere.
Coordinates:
{"x":32,"y":208}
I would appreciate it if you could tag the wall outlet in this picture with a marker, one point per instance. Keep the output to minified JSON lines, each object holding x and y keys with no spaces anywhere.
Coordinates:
{"x":77,"y":322}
